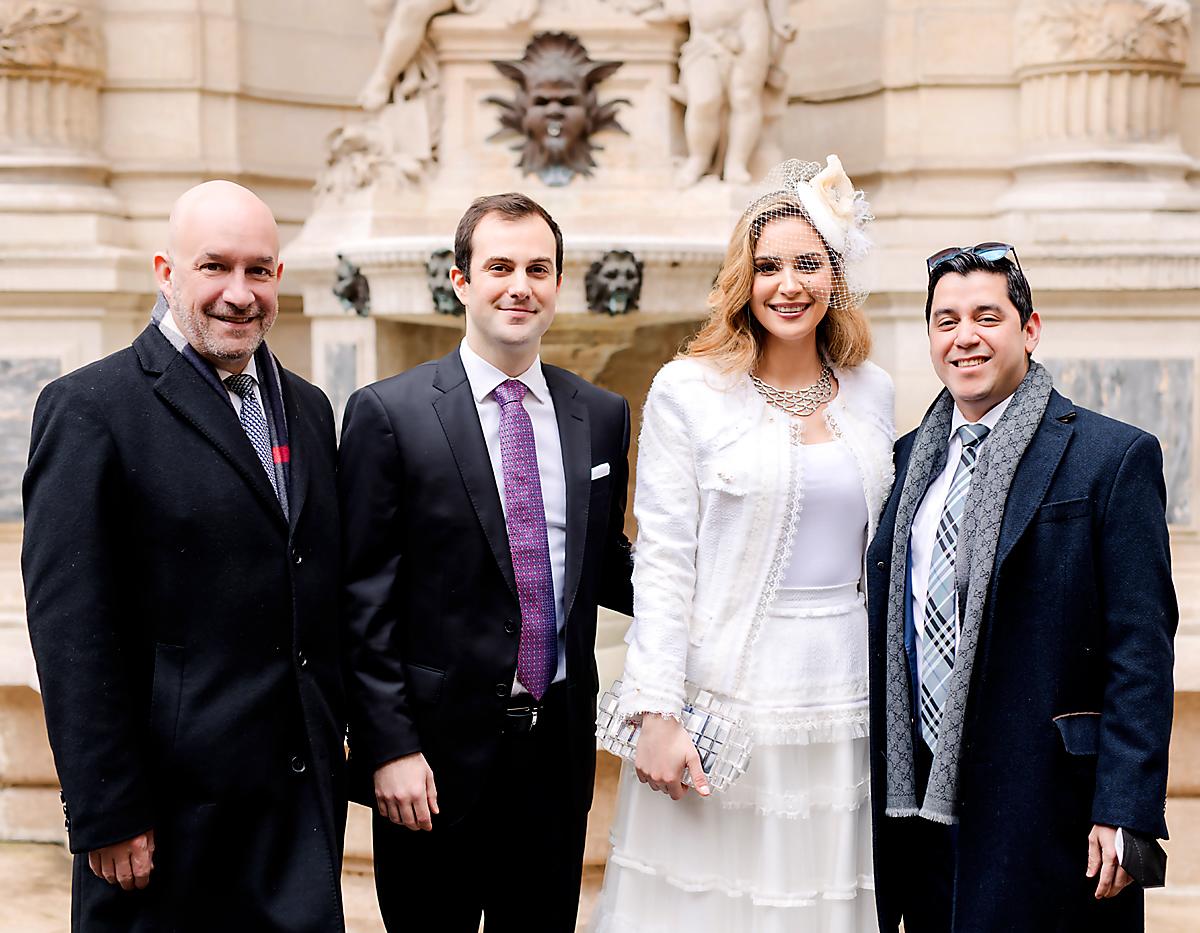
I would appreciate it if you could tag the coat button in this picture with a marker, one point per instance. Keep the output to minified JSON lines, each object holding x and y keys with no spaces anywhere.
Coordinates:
{"x":511,"y":627}
{"x":502,"y":690}
{"x":297,"y":558}
{"x":298,"y":765}
{"x":881,"y":565}
{"x":301,"y":659}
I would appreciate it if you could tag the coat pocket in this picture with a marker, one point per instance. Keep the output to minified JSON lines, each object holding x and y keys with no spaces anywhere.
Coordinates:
{"x":1080,"y":732}
{"x":1064,"y":510}
{"x":424,"y":683}
{"x":166,"y":695}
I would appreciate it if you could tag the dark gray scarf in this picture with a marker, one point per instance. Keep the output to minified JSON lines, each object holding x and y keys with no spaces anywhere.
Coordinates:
{"x":999,"y":455}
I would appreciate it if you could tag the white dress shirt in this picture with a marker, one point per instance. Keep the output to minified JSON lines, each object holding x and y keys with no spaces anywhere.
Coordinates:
{"x":484,"y":377}
{"x":175,"y":335}
{"x":923,"y":536}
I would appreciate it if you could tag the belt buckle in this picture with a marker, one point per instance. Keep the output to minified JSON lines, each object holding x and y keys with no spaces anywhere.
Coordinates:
{"x":518,"y":714}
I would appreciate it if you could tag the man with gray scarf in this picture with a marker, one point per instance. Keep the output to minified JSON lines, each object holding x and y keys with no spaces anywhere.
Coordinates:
{"x":1021,"y":625}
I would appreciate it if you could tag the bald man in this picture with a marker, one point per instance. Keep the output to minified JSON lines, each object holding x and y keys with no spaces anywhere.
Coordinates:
{"x":180,"y":561}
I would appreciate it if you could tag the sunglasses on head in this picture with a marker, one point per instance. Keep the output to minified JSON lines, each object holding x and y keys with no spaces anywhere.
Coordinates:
{"x":989,"y":251}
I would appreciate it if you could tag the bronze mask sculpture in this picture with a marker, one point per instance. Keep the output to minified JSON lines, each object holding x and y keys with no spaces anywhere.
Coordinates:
{"x":351,"y":287}
{"x":613,"y":284}
{"x":555,"y":109}
{"x":437,"y":277}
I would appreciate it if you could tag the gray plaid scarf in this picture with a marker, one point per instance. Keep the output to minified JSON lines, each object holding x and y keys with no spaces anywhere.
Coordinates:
{"x":999,"y":455}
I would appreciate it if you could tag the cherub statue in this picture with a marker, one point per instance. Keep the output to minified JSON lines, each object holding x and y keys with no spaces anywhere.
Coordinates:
{"x":403,"y":25}
{"x":729,"y":65}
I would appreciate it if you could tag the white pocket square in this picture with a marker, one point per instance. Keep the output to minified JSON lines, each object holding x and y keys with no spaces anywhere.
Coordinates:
{"x":599,"y":470}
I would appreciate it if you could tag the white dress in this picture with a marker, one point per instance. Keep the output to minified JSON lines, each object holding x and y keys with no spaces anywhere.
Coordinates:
{"x":787,"y":847}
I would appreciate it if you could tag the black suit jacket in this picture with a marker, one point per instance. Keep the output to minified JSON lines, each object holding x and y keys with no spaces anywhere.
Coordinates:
{"x":430,"y":601}
{"x":184,"y":631}
{"x":1069,"y":711}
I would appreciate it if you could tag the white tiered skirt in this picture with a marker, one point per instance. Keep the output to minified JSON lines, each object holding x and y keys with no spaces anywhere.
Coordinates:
{"x":787,"y":847}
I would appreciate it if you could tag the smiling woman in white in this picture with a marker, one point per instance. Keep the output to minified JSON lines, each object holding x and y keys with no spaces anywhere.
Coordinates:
{"x":764,"y":462}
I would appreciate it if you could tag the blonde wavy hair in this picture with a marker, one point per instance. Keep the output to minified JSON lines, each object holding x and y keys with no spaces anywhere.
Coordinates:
{"x":732,"y":339}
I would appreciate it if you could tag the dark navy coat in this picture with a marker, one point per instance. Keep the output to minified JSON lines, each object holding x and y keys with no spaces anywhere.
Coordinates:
{"x":1069,"y":712}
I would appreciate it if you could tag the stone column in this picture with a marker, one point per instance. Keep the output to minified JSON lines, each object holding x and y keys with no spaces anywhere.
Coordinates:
{"x":1099,"y":104}
{"x":51,"y":70}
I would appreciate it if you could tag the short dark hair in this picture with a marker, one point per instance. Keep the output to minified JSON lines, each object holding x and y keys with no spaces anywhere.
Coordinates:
{"x":512,"y":205}
{"x":966,"y":263}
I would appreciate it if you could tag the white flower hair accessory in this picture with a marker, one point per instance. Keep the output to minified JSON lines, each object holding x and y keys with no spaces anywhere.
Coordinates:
{"x":837,"y":210}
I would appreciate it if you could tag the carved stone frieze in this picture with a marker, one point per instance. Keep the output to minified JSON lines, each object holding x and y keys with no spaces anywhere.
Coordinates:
{"x":1101,"y":74}
{"x":1058,"y":33}
{"x":51,"y":69}
{"x":48,"y":37}
{"x":394,"y":148}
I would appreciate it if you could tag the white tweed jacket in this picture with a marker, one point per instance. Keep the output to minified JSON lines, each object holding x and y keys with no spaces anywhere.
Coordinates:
{"x":717,"y":501}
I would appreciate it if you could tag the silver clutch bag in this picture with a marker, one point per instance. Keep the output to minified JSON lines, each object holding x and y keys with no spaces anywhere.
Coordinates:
{"x":719,"y":736}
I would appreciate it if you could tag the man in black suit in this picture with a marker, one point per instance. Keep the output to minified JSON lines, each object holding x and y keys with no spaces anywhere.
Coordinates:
{"x":1021,"y":624}
{"x":180,"y":563}
{"x":483,"y":500}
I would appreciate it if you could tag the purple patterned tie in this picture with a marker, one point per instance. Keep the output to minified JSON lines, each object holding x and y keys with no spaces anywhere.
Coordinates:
{"x":537,"y":658}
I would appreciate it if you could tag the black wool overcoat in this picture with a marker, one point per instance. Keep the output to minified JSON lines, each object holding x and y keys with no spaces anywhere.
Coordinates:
{"x":186,"y":641}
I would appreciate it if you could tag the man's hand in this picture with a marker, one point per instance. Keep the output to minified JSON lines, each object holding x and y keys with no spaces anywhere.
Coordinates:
{"x":664,"y":749}
{"x":127,"y":863}
{"x":405,"y":792}
{"x":1102,"y":858}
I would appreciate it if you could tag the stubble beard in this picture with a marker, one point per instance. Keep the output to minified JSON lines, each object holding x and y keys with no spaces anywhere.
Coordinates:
{"x":198,"y":322}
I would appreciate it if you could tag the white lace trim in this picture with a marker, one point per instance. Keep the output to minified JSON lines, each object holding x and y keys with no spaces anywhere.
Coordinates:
{"x":733,"y":888}
{"x":635,"y":701}
{"x":809,"y":727}
{"x":783,"y":551}
{"x":801,"y":806}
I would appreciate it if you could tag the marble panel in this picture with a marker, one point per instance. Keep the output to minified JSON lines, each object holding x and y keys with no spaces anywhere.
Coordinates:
{"x":1157,"y":395}
{"x":341,"y":375}
{"x":20,"y":382}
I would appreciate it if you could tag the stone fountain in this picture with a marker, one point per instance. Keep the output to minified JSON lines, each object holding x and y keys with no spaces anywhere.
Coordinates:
{"x":586,"y":106}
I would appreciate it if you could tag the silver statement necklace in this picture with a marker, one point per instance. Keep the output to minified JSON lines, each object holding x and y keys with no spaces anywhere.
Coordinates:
{"x":798,"y":402}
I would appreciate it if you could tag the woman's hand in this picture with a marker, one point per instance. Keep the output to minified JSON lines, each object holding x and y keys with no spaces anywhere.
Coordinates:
{"x":664,"y":749}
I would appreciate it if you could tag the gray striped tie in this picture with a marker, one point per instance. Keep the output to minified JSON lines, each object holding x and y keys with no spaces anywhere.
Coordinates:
{"x":254,"y":423}
{"x":941,"y":604}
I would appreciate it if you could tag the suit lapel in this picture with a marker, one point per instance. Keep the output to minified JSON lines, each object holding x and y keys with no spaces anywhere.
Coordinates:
{"x":1033,"y":476}
{"x":574,"y":434}
{"x":298,"y":437}
{"x":182,"y":388}
{"x":459,"y":417}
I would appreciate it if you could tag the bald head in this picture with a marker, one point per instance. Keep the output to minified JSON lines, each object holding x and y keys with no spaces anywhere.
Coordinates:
{"x":214,"y":205}
{"x":220,"y":271}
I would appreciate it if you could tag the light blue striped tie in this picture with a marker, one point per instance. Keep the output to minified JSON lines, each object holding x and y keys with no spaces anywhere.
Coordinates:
{"x":941,"y":603}
{"x":254,"y":423}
